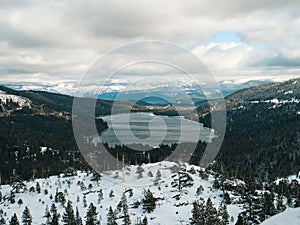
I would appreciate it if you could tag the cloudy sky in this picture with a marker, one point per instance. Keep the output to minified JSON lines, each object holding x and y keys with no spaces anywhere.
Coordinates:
{"x":58,"y":40}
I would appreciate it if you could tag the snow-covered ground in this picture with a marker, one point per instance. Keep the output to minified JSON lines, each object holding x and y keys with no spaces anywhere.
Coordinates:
{"x":288,"y":217}
{"x":21,"y":101}
{"x":168,"y":210}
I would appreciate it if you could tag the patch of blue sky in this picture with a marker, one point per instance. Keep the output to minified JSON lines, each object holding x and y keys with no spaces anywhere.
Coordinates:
{"x":226,"y":36}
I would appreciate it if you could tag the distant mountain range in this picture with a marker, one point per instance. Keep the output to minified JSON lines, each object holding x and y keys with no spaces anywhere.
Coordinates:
{"x":120,"y":90}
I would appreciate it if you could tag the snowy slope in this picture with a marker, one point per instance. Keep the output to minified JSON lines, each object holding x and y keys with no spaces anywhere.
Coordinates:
{"x":168,"y":209}
{"x":21,"y":101}
{"x":288,"y":217}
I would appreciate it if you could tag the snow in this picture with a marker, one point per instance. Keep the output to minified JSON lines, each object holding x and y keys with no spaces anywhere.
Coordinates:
{"x":43,"y":149}
{"x":288,"y":92}
{"x":14,"y":98}
{"x":277,"y":102}
{"x":167,"y":210}
{"x":289,"y":216}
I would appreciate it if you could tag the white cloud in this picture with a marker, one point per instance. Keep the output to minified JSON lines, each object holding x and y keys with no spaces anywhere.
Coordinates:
{"x":61,"y":39}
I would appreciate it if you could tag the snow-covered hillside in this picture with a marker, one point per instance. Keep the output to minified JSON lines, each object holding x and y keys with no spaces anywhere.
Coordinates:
{"x":173,"y":206}
{"x":288,"y":217}
{"x":20,"y":101}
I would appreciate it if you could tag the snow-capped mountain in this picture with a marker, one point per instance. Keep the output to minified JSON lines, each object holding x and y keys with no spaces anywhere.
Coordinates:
{"x":176,"y":92}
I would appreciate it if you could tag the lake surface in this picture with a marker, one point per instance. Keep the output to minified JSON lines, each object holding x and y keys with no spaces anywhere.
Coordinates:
{"x":152,"y":130}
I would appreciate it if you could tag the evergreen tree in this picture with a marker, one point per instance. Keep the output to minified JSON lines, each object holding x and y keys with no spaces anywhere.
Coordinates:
{"x":121,"y":203}
{"x":111,"y":217}
{"x":68,"y":217}
{"x":26,"y":217}
{"x":182,"y":180}
{"x":211,"y":214}
{"x":47,"y":215}
{"x":227,"y":198}
{"x":55,"y":216}
{"x":38,"y":187}
{"x":20,"y":202}
{"x":84,"y":201}
{"x":111,"y":194}
{"x":157,"y":177}
{"x":139,"y":172}
{"x":14,"y":220}
{"x":297,"y":202}
{"x":125,"y":213}
{"x":224,"y":213}
{"x":268,"y":204}
{"x":2,"y":220}
{"x":240,"y":220}
{"x":91,"y":216}
{"x":199,"y":190}
{"x":198,"y":213}
{"x":149,"y":202}
{"x":280,"y":206}
{"x":78,"y":220}
{"x":145,"y":221}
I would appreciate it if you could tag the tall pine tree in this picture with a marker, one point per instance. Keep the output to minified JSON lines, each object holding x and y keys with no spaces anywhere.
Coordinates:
{"x":14,"y":220}
{"x":91,"y":215}
{"x":149,"y":202}
{"x":111,"y":217}
{"x":26,"y":217}
{"x":55,"y":216}
{"x":68,"y":217}
{"x":78,"y":220}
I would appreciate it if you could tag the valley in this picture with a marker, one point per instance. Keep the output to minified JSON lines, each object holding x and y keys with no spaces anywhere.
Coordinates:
{"x":258,"y":162}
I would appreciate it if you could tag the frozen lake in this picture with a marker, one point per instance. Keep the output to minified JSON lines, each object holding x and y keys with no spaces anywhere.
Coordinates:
{"x":152,"y":130}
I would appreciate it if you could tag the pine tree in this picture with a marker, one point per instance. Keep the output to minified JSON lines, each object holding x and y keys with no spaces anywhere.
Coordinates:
{"x":20,"y":202}
{"x":240,"y":220}
{"x":38,"y":187}
{"x":55,"y":216}
{"x":78,"y":220}
{"x":149,"y":202}
{"x":100,"y":196}
{"x":211,"y":214}
{"x":14,"y":220}
{"x":268,"y":204}
{"x":145,"y":221}
{"x":139,"y":172}
{"x":198,"y":213}
{"x":126,"y":220}
{"x":224,"y":213}
{"x":121,"y":203}
{"x":2,"y":220}
{"x":68,"y":217}
{"x":280,"y":206}
{"x":157,"y":178}
{"x":26,"y":217}
{"x":47,"y":215}
{"x":84,"y":201}
{"x":111,"y":217}
{"x":91,"y":216}
{"x":111,"y":194}
{"x":227,"y":198}
{"x":297,"y":202}
{"x":182,"y":180}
